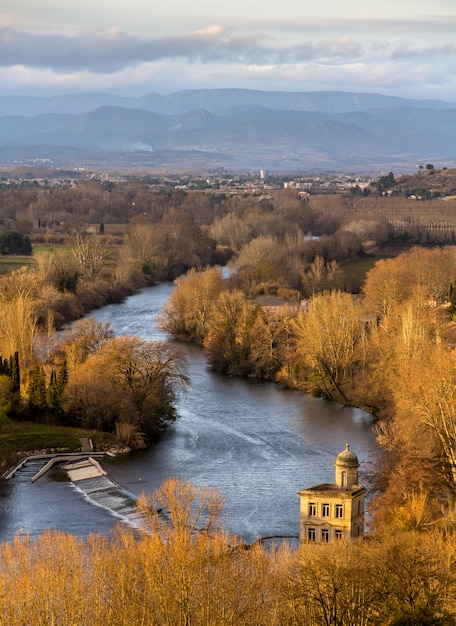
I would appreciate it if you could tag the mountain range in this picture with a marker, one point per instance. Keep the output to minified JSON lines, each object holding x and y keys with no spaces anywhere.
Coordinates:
{"x":236,"y":129}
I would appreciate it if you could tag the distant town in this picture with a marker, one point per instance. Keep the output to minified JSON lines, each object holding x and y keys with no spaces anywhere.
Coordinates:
{"x":255,"y":183}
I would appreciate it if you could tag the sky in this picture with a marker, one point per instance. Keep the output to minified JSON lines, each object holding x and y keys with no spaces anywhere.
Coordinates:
{"x":402,"y":48}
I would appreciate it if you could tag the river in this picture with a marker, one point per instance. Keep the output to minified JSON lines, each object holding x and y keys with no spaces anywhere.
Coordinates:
{"x":258,"y":443}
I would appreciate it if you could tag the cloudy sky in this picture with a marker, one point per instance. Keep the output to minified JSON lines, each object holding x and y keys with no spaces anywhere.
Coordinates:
{"x":395,"y":47}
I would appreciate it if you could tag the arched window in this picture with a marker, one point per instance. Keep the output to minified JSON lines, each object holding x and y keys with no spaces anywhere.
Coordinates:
{"x":344,"y":479}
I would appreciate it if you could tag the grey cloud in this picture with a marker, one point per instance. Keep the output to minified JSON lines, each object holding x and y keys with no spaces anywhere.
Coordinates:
{"x":111,"y":51}
{"x":406,"y":51}
{"x":108,"y":51}
{"x":103,"y":51}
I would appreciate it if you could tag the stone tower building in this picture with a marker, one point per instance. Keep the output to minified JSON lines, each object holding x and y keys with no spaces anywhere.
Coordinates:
{"x":334,"y":511}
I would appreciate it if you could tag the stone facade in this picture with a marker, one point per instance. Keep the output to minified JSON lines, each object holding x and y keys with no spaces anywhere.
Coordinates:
{"x":334,"y":511}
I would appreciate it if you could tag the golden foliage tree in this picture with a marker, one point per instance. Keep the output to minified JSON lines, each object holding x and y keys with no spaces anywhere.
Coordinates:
{"x":19,"y":318}
{"x":327,"y":337}
{"x":127,"y":379}
{"x":187,"y":313}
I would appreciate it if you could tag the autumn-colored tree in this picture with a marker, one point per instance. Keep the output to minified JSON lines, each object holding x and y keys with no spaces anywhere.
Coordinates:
{"x":230,"y":333}
{"x":143,"y":242}
{"x":429,"y":403}
{"x":86,"y":337}
{"x":187,"y":313}
{"x":411,"y":578}
{"x":319,"y":276}
{"x":267,"y":339}
{"x":19,"y":319}
{"x":231,"y":230}
{"x":383,"y":289}
{"x":262,"y":260}
{"x":418,"y":431}
{"x":166,"y":249}
{"x":57,"y":269}
{"x":129,"y":380}
{"x":428,"y":273}
{"x":327,"y":337}
{"x":195,"y":572}
{"x":330,"y":585}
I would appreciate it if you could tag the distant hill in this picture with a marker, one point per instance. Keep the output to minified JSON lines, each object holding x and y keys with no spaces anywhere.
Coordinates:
{"x":233,"y":128}
{"x":435,"y":181}
{"x":213,"y":100}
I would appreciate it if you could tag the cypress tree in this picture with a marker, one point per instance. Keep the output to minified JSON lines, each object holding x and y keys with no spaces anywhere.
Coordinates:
{"x":52,"y":395}
{"x":37,"y":392}
{"x":452,"y":296}
{"x":15,"y":372}
{"x":56,"y":387}
{"x":62,"y":378}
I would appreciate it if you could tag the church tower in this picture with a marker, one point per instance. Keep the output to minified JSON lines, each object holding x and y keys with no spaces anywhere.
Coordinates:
{"x":334,"y":511}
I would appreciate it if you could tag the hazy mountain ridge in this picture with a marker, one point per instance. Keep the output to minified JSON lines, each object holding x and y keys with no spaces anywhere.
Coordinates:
{"x":232,"y":129}
{"x":212,"y":100}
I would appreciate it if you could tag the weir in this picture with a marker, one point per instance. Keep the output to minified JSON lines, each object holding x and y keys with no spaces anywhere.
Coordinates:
{"x":53,"y":459}
{"x":89,"y":478}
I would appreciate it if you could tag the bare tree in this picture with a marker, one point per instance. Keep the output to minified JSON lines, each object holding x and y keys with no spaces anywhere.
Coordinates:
{"x":90,"y":252}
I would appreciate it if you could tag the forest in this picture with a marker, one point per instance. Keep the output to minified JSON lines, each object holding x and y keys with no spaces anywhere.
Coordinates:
{"x":330,"y":296}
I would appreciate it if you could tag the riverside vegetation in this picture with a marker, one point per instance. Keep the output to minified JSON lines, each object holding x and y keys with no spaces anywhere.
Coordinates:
{"x":186,"y":570}
{"x":384,"y":342}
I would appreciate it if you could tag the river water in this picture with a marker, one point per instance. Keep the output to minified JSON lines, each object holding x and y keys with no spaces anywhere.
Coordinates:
{"x":258,"y":443}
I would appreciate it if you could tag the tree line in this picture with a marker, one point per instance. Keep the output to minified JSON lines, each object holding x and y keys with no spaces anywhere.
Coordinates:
{"x":48,"y":214}
{"x":185,"y":569}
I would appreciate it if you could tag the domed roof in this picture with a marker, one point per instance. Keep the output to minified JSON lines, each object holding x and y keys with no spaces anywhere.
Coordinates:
{"x":347,"y":457}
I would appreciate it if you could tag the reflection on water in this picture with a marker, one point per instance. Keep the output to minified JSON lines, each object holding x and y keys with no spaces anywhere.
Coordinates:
{"x":257,"y":443}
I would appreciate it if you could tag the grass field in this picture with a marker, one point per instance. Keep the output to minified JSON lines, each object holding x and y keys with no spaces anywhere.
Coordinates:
{"x":355,"y":272}
{"x":28,"y":436}
{"x":10,"y":263}
{"x":50,"y":248}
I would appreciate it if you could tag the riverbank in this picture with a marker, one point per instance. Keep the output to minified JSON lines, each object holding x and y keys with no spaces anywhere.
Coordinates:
{"x":18,"y":439}
{"x":257,"y":443}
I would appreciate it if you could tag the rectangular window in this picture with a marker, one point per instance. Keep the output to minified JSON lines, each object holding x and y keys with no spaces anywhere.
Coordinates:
{"x":312,"y":509}
{"x":338,"y":534}
{"x":311,"y":536}
{"x":339,"y":510}
{"x":325,"y":535}
{"x":325,"y":510}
